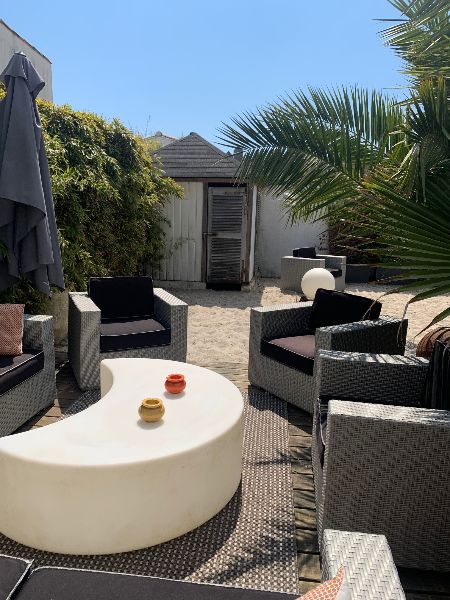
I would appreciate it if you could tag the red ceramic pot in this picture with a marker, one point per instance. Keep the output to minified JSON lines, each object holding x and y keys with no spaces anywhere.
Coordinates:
{"x":175,"y":383}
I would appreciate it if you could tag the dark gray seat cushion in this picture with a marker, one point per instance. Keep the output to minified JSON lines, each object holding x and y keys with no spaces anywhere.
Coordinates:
{"x":122,"y":297}
{"x":12,"y":572}
{"x":127,"y":334}
{"x":16,"y":369}
{"x":336,"y":308}
{"x":66,"y":584}
{"x":296,"y":352}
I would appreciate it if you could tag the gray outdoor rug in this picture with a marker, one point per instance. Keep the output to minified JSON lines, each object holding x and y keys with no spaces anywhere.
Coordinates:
{"x":250,"y":543}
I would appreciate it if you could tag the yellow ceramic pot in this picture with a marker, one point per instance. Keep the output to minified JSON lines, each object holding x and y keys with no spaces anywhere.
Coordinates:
{"x":151,"y":410}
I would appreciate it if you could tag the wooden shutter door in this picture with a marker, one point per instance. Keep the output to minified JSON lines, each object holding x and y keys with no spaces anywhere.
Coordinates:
{"x":226,"y":230}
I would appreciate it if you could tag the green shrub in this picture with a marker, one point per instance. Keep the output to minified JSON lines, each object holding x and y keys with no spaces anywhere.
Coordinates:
{"x":108,"y":194}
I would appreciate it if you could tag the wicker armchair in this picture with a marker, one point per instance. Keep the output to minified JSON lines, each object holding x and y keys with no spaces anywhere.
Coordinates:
{"x":386,"y":462}
{"x":385,"y":334}
{"x":37,"y":391}
{"x":85,"y":324}
{"x":293,"y":268}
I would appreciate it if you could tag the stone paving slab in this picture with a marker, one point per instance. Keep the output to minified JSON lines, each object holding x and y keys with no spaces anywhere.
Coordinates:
{"x":309,"y":567}
{"x":304,"y":499}
{"x":307,"y":542}
{"x":302,"y":481}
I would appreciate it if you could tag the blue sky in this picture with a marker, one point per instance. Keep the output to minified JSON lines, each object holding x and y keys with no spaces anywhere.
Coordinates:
{"x":187,"y":65}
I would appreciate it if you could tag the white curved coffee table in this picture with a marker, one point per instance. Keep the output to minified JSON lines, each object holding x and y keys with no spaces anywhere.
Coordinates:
{"x":103,"y":481}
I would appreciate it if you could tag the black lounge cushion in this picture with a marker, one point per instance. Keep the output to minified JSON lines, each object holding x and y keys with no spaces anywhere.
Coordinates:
{"x":12,"y":572}
{"x":336,"y":308}
{"x":296,"y":351}
{"x":72,"y":584}
{"x":335,"y":272}
{"x":16,"y":369}
{"x":122,"y":297}
{"x":127,"y":334}
{"x":437,"y":388}
{"x":307,"y":252}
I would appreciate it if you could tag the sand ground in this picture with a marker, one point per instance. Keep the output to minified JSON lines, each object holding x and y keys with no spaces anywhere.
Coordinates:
{"x":218,"y":323}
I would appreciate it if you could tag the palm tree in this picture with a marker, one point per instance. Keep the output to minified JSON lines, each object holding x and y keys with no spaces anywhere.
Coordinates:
{"x":381,"y":165}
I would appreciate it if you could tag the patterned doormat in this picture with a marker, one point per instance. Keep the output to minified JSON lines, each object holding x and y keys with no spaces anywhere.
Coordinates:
{"x":250,"y":543}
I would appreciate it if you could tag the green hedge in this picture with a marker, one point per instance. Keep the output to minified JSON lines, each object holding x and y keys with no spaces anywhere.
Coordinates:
{"x":108,"y":194}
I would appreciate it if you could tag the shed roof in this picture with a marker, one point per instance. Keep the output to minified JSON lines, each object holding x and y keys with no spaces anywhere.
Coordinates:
{"x":194,"y":157}
{"x":162,"y":139}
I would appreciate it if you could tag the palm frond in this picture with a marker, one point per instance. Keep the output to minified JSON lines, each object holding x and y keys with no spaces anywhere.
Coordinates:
{"x":421,"y":37}
{"x":439,"y":317}
{"x":416,"y":236}
{"x":314,"y":148}
{"x":426,"y":138}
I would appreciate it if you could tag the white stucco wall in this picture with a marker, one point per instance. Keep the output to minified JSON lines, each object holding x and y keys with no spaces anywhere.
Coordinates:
{"x":11,"y":42}
{"x":275,"y":238}
{"x":271,"y":237}
{"x":183,"y":260}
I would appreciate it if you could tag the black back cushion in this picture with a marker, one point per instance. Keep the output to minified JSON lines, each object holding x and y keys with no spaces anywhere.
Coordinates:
{"x":335,"y":308}
{"x":437,"y":389}
{"x":122,"y":297}
{"x":309,"y":252}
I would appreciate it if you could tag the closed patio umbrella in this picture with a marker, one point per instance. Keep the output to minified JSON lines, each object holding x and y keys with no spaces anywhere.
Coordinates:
{"x":27,"y":216}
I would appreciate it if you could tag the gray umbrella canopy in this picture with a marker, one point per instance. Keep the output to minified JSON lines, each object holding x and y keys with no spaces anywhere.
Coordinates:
{"x":27,"y":216}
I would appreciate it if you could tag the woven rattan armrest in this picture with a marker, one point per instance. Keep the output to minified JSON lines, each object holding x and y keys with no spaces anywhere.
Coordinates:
{"x":282,"y":320}
{"x":370,"y":571}
{"x":82,"y":303}
{"x":84,"y":335}
{"x":332,"y":261}
{"x":385,"y":335}
{"x":168,"y":307}
{"x":38,"y":332}
{"x":173,"y":313}
{"x":405,"y":416}
{"x":380,"y":378}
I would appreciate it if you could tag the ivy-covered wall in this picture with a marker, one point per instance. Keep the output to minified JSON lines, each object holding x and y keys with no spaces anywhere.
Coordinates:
{"x":108,"y":195}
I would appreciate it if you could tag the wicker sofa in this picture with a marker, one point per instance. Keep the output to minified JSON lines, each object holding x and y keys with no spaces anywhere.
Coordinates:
{"x":384,"y":334}
{"x":92,"y":337}
{"x":294,"y":267}
{"x":370,"y":573}
{"x":385,"y":464}
{"x":28,"y":381}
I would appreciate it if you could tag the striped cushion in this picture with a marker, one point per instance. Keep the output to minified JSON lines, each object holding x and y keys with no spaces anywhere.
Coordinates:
{"x":334,"y":589}
{"x":426,"y":344}
{"x":11,"y":329}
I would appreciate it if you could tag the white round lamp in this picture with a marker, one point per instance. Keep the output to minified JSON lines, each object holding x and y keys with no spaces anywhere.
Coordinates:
{"x":314,"y":279}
